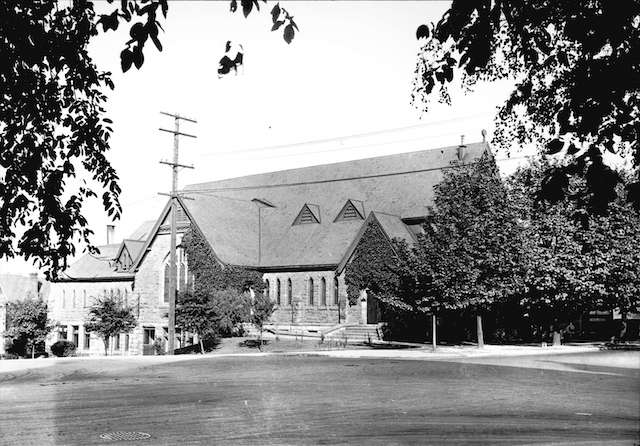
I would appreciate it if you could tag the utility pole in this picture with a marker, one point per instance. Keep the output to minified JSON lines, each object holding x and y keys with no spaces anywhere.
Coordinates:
{"x":174,"y":205}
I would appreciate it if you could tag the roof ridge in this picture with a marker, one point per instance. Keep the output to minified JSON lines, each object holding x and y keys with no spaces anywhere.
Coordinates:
{"x":199,"y":186}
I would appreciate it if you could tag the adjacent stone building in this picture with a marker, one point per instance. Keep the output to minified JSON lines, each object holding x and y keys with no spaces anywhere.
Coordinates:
{"x":298,"y":227}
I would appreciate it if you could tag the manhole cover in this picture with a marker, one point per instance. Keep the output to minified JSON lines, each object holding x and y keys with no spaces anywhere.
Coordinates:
{"x":125,"y":436}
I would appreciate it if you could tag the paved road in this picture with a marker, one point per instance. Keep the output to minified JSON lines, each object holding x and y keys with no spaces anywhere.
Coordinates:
{"x":315,"y":400}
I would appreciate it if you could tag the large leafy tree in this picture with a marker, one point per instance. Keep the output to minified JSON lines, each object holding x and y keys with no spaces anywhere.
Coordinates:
{"x":28,"y":324}
{"x":470,"y":255}
{"x":109,"y":317}
{"x":54,"y":135}
{"x":577,"y":91}
{"x":575,"y":261}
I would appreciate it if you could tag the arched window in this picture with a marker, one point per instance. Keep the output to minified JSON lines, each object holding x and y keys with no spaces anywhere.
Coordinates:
{"x":266,"y":288}
{"x":278,"y":291}
{"x":289,"y":291}
{"x":336,"y":290}
{"x":323,"y":292}
{"x":310,"y":291}
{"x":167,"y":276}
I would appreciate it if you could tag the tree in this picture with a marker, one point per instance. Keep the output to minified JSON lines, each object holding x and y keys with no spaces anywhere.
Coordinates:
{"x":28,"y":323}
{"x":109,"y":317}
{"x":54,"y":135}
{"x":575,"y":261}
{"x":577,"y":88}
{"x":218,"y":300}
{"x":471,"y":251}
{"x":262,"y":308}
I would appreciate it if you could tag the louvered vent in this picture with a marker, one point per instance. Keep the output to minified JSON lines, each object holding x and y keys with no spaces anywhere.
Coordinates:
{"x":349,"y":212}
{"x":306,"y":216}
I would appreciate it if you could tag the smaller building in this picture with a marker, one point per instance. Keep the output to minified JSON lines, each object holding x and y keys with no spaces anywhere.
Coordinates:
{"x":93,"y":276}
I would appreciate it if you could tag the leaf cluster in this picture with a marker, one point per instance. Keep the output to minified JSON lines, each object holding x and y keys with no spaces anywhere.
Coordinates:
{"x":577,"y":91}
{"x":53,"y":133}
{"x":28,"y":322}
{"x":109,"y":317}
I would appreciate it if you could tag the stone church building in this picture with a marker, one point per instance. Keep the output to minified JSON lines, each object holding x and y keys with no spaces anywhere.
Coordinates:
{"x":298,"y":227}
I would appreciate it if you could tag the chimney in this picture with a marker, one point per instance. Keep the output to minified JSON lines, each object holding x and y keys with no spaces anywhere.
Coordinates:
{"x":461,"y":148}
{"x":110,"y":233}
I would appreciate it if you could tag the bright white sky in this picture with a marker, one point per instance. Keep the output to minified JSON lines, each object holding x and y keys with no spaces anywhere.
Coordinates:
{"x":348,"y":71}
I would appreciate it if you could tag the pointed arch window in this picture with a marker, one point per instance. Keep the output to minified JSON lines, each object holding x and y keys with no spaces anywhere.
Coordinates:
{"x":278,"y":291}
{"x":323,"y":292}
{"x":311,"y":291}
{"x":289,"y":291}
{"x":336,"y":290}
{"x":267,"y":287}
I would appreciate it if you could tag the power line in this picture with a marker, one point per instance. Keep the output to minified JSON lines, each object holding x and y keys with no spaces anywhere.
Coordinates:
{"x":330,"y":180}
{"x":339,"y":138}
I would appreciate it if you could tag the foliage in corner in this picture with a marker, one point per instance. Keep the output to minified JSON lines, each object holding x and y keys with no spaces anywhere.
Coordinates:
{"x":109,"y":317}
{"x":53,"y":131}
{"x":576,"y":95}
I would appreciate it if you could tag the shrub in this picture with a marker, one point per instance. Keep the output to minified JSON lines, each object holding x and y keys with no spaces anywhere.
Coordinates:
{"x":63,"y":348}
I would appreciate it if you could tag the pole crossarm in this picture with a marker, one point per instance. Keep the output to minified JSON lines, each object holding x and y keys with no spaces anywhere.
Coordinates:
{"x":169,"y":163}
{"x":176,"y":195}
{"x":175,"y":132}
{"x":177,"y":116}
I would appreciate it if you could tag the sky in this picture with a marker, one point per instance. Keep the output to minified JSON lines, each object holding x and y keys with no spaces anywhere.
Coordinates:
{"x":348,"y":71}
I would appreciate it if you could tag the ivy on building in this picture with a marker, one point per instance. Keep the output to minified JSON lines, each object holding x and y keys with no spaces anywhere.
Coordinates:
{"x":373,"y":266}
{"x":209,"y":274}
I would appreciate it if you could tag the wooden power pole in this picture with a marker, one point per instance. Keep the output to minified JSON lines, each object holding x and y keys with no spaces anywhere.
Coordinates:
{"x":174,"y":206}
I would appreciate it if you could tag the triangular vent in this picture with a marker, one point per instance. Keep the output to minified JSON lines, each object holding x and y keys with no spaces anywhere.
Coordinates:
{"x":349,"y":212}
{"x":306,"y":216}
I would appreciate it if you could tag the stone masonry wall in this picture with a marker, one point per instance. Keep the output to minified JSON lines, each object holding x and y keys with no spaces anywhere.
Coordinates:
{"x":68,"y":306}
{"x":302,"y":312}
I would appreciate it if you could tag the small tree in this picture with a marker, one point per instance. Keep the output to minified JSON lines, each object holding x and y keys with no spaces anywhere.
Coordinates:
{"x":261,"y":310}
{"x":197,"y":314}
{"x":28,"y":323}
{"x":109,"y":317}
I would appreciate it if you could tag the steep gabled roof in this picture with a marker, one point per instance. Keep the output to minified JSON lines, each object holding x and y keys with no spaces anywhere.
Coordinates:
{"x":92,"y":267}
{"x":400,"y":185}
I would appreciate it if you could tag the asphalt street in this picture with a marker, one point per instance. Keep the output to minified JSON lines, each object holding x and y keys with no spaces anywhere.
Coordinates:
{"x":319,"y":400}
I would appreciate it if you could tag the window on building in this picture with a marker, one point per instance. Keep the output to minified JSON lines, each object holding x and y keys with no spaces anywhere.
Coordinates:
{"x":126,"y":342}
{"x":149,"y":335}
{"x":87,"y":340}
{"x":310,"y":291}
{"x":73,"y":302}
{"x":84,"y":298}
{"x":116,"y":342}
{"x":266,"y":288}
{"x":336,"y":291}
{"x":62,"y":333}
{"x":64,"y":299}
{"x":323,"y":292}
{"x":75,"y":335}
{"x":289,"y":292}
{"x":167,"y":272}
{"x":126,"y":297}
{"x":278,"y":291}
